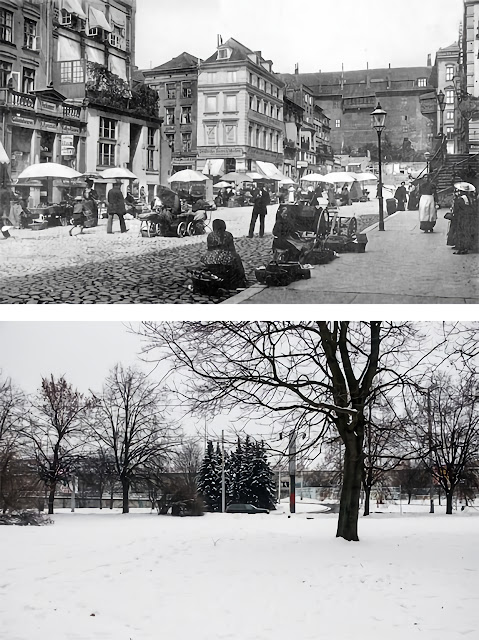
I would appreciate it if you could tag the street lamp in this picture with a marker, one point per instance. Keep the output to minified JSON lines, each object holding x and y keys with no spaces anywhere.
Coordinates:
{"x":427,"y":157}
{"x":378,"y":117}
{"x":441,"y":100}
{"x":429,"y":433}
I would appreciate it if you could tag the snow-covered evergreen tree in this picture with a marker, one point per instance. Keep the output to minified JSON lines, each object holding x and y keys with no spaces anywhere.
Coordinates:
{"x":209,"y":479}
{"x":262,"y":484}
{"x":233,"y":466}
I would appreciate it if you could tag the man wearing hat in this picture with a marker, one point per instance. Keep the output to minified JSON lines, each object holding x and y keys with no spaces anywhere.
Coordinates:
{"x":116,"y":205}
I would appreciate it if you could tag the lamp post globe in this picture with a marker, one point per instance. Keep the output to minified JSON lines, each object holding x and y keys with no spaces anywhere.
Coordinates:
{"x":378,"y":121}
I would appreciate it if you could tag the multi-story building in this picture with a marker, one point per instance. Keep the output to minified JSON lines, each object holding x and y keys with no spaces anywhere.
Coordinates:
{"x":240,"y":112}
{"x":468,"y":97}
{"x":36,"y":120}
{"x":448,"y":118}
{"x":293,"y":114}
{"x":349,"y":97}
{"x":176,"y":83}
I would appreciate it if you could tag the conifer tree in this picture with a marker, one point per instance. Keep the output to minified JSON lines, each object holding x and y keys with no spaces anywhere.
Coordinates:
{"x":234,"y":474}
{"x":209,"y":479}
{"x":262,"y":485}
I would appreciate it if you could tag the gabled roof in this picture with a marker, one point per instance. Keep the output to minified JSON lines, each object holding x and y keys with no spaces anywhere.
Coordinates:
{"x":452,"y":47}
{"x":183,"y":61}
{"x":238,"y":51}
{"x":49,"y":93}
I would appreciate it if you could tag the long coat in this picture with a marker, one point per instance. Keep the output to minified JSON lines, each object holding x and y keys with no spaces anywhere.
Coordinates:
{"x":116,"y":201}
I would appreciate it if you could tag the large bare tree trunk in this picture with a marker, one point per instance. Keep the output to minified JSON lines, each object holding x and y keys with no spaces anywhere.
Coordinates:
{"x":367,"y":496}
{"x":51,"y":498}
{"x":126,"y":489}
{"x":449,"y":496}
{"x":351,"y":490}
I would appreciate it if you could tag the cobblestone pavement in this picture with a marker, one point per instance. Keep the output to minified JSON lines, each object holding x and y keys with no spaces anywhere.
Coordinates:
{"x":49,"y":266}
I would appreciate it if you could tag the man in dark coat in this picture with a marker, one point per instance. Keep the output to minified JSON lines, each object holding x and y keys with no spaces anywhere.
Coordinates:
{"x":401,"y":196}
{"x":261,"y":201}
{"x":116,"y":205}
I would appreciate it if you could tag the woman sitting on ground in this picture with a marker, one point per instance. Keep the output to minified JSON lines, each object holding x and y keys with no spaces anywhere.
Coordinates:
{"x":222,"y":257}
{"x":287,"y":240}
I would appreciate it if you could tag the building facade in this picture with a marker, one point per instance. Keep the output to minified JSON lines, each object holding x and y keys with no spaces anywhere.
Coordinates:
{"x":176,"y":83}
{"x":240,"y":112}
{"x":349,"y":97}
{"x":449,"y":119}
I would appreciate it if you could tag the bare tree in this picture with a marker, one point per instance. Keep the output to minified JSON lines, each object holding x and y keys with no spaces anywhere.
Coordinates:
{"x":12,"y":408}
{"x":314,"y":374}
{"x":129,"y":422}
{"x":97,"y":471}
{"x":445,"y":430}
{"x":56,"y":428}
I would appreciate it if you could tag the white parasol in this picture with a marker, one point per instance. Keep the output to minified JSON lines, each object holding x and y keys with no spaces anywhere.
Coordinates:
{"x":187,"y":175}
{"x":338,"y":177}
{"x":316,"y":177}
{"x":366,"y":177}
{"x":118,"y":173}
{"x":48,"y":170}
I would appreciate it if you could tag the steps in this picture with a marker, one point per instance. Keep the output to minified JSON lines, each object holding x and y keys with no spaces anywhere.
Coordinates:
{"x":456,"y":168}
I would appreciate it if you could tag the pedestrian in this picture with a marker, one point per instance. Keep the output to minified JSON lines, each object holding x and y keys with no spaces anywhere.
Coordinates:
{"x":261,"y":201}
{"x":401,"y":197}
{"x":116,"y":206}
{"x":79,"y":214}
{"x":345,"y":195}
{"x":91,"y":199}
{"x":427,"y":205}
{"x":463,"y":229}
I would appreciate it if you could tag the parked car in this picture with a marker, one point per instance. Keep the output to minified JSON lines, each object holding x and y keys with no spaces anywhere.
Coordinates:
{"x":244,"y":508}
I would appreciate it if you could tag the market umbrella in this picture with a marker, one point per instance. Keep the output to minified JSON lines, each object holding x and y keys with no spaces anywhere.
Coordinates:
{"x":254,"y":175}
{"x":365,"y":177}
{"x":340,"y":177}
{"x":187,"y":175}
{"x":222,"y":184}
{"x":118,"y":173}
{"x":316,"y":177}
{"x":48,"y":170}
{"x":4,"y":159}
{"x":287,"y":181}
{"x":234,"y":176}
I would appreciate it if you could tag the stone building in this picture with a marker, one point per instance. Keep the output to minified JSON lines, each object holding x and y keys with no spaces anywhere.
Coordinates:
{"x":176,"y":83}
{"x":349,"y":97}
{"x":240,"y":112}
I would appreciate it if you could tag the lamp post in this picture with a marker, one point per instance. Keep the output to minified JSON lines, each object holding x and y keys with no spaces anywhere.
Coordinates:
{"x":378,"y":117}
{"x":441,"y":100}
{"x":427,"y":157}
{"x":429,"y":434}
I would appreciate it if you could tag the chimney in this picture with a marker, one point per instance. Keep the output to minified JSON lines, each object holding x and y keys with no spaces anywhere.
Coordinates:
{"x":219,"y":40}
{"x":429,"y":62}
{"x":296,"y":68}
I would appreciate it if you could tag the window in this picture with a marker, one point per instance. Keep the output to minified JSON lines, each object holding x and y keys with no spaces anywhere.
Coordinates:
{"x":186,"y":141}
{"x":449,"y":73}
{"x":150,"y":159}
{"x":151,"y":136}
{"x":5,"y":70}
{"x":230,"y":133}
{"x":71,"y":72}
{"x":107,"y":142}
{"x":170,"y":138}
{"x":185,"y":115}
{"x":275,"y":142}
{"x":260,"y":106}
{"x":210,"y":134}
{"x":211,"y":77}
{"x":223,"y":54}
{"x":186,"y":89}
{"x":6,"y":25}
{"x":231,"y":76}
{"x":170,"y":115}
{"x":449,"y":115}
{"x":250,"y":136}
{"x":171,"y":91}
{"x":449,"y":96}
{"x":261,"y":84}
{"x":450,"y":133}
{"x":28,"y":80}
{"x":230,"y":103}
{"x":251,"y":102}
{"x":30,"y":34}
{"x":422,"y":82}
{"x":338,"y":124}
{"x":210,"y":106}
{"x":254,"y":80}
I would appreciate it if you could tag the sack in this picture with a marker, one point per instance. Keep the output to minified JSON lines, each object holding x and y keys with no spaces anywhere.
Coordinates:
{"x":448,"y":215}
{"x":276,"y":276}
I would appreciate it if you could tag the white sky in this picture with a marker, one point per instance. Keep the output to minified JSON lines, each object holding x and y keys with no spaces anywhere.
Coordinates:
{"x":317,"y":34}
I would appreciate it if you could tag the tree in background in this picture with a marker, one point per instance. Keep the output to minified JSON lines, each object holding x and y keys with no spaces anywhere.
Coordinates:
{"x":209,"y":479}
{"x":96,"y":471}
{"x":57,"y":419}
{"x":129,"y":422}
{"x":262,"y":483}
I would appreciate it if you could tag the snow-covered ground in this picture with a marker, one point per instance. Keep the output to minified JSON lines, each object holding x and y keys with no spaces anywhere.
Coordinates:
{"x":104,"y":575}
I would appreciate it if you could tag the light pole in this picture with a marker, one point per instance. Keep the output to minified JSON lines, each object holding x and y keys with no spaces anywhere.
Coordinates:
{"x":441,"y":101}
{"x":378,"y":117}
{"x":427,"y":157}
{"x":429,"y":433}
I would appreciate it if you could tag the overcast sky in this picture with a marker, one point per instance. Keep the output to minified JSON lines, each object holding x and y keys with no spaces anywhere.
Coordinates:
{"x":316,"y":34}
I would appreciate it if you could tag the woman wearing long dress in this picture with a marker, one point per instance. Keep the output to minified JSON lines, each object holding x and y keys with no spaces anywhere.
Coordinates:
{"x":223,"y":258}
{"x":465,"y":221}
{"x":427,"y":206}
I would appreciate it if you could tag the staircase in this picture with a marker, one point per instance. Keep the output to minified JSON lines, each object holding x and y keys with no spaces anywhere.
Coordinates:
{"x":455,"y":168}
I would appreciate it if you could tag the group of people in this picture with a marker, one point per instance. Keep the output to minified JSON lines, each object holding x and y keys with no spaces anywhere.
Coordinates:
{"x":85,"y":207}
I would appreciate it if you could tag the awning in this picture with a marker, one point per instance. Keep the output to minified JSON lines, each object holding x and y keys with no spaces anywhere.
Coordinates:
{"x":74,"y":6}
{"x":214,"y":167}
{"x":270,"y":171}
{"x":68,"y":49}
{"x":96,"y":18}
{"x":117,"y":17}
{"x":117,"y":66}
{"x":4,"y":159}
{"x":95,"y":55}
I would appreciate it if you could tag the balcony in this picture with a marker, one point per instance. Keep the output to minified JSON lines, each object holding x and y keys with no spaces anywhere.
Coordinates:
{"x":72,"y":112}
{"x":24,"y":100}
